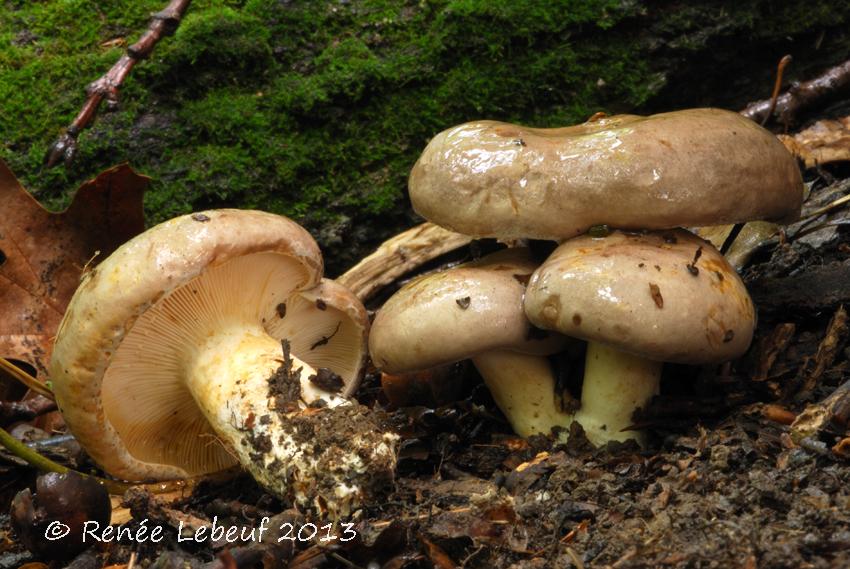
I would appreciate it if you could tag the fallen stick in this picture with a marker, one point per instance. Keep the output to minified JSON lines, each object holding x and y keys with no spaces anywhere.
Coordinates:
{"x":833,"y":413}
{"x":163,"y":23}
{"x":801,"y":96}
{"x":399,"y":255}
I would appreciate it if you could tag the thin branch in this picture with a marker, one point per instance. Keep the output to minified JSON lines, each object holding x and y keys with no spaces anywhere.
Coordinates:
{"x":398,"y":255}
{"x":25,"y":378}
{"x":802,"y":95}
{"x":777,"y":85}
{"x":163,"y":23}
{"x":114,"y":487}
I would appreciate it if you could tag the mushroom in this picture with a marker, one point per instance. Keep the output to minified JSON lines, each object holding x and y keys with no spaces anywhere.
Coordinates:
{"x":639,"y":299}
{"x":685,"y":168}
{"x":475,"y":311}
{"x":212,"y":339}
{"x":693,"y":167}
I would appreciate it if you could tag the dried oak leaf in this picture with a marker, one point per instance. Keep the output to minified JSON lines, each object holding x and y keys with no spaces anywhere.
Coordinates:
{"x":42,"y":254}
{"x":824,"y":142}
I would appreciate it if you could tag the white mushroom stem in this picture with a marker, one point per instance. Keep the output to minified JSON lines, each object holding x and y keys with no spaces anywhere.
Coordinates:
{"x":615,"y":385}
{"x":292,"y":451}
{"x":523,"y":387}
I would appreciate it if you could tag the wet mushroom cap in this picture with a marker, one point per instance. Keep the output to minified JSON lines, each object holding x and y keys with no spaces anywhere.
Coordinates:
{"x":140,"y":319}
{"x":456,"y":314}
{"x":663,"y":295}
{"x":685,"y":168}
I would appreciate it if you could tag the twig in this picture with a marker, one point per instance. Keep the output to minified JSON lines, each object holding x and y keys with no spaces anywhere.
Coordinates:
{"x":32,"y":458}
{"x":398,"y":256}
{"x":25,"y":378}
{"x":115,"y":487}
{"x":774,"y":97}
{"x":826,"y":209}
{"x":777,"y":85}
{"x":163,"y":23}
{"x":801,"y":96}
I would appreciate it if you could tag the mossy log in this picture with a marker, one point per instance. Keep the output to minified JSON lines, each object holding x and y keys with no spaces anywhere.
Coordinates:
{"x":318,"y":110}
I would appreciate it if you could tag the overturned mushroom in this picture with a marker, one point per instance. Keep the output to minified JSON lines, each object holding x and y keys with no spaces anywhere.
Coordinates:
{"x":639,"y":299}
{"x":212,"y":339}
{"x":475,"y":311}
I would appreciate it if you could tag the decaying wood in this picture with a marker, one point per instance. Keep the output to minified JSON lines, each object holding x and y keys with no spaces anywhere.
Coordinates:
{"x":802,"y":96}
{"x":770,"y":349}
{"x":833,"y":413}
{"x":813,"y":369}
{"x":399,"y":255}
{"x":826,"y":141}
{"x":818,"y":289}
{"x":163,"y":23}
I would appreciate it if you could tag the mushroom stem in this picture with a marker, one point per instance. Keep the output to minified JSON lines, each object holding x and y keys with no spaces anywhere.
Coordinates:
{"x":615,"y":385}
{"x":523,"y":387}
{"x":334,"y":451}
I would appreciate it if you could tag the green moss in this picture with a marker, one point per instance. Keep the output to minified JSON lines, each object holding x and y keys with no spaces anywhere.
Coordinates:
{"x":217,"y":47}
{"x":318,"y":109}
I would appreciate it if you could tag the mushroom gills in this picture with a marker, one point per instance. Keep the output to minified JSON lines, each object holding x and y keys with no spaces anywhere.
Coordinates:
{"x":243,"y":394}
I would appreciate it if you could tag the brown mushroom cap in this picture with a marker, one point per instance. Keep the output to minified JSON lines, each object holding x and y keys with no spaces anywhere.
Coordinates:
{"x":685,"y":168}
{"x":664,"y":295}
{"x":456,"y":314}
{"x":135,"y":326}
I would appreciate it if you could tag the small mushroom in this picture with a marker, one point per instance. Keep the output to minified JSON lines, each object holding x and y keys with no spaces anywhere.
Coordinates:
{"x":639,"y":299}
{"x":199,"y":343}
{"x":475,"y":311}
{"x":685,"y":168}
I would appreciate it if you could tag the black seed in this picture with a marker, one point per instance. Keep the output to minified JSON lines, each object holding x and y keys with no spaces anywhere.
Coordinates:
{"x":727,"y":337}
{"x":463,"y":302}
{"x":281,"y":309}
{"x":321,"y":304}
{"x":200,"y":217}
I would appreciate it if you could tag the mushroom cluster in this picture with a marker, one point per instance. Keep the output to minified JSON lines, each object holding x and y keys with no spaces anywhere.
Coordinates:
{"x":641,"y":291}
{"x":211,"y":340}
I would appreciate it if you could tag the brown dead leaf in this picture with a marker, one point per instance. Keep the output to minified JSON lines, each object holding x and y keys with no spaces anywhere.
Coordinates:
{"x":42,"y":254}
{"x":437,"y":555}
{"x":823,"y":142}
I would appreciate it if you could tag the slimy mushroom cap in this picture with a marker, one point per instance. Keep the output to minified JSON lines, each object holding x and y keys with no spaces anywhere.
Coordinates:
{"x":662,"y":295}
{"x":693,"y":167}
